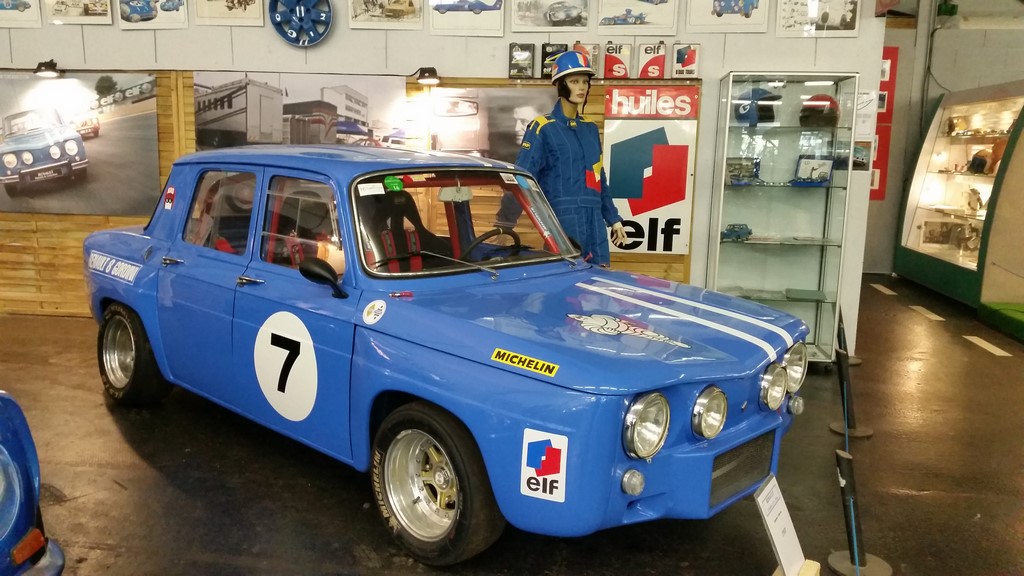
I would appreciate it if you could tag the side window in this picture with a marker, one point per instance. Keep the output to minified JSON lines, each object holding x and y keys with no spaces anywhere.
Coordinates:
{"x":221,"y":211}
{"x":301,"y":222}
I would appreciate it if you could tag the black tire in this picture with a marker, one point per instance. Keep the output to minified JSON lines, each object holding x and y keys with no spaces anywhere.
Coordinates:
{"x":468,"y":520}
{"x":127,"y":365}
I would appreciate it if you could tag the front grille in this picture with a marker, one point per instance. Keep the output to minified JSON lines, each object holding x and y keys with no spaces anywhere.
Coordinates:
{"x":740,"y":467}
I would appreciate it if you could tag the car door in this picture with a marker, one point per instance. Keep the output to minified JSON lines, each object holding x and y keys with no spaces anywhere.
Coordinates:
{"x":201,"y":268}
{"x":292,"y":338}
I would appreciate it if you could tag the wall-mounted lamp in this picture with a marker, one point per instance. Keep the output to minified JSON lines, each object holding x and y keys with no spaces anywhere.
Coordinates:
{"x":47,"y":69}
{"x":428,"y":75}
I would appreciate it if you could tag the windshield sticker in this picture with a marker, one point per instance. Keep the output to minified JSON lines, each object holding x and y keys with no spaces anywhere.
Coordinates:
{"x":508,"y":178}
{"x":418,"y":177}
{"x":393,"y":183}
{"x":542,"y":472}
{"x":285,"y":361}
{"x":608,"y":325}
{"x":524,"y":362}
{"x":374,"y":311}
{"x":169,"y":198}
{"x":370,"y":188}
{"x":112,"y":267}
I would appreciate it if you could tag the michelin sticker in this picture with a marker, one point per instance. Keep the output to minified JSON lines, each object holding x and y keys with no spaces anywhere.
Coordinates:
{"x":112,"y":267}
{"x":608,"y":325}
{"x":543,"y":466}
{"x":285,"y":364}
{"x":374,"y":311}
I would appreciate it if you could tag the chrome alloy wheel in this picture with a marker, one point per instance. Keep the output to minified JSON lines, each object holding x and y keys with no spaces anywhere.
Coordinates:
{"x":421,"y":486}
{"x":118,"y":351}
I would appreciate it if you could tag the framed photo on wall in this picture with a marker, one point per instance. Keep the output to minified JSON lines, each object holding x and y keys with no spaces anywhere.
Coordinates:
{"x":229,"y":13}
{"x":20,"y":14}
{"x":551,"y":15}
{"x":817,"y":18}
{"x":727,"y":16}
{"x":386,"y":14}
{"x":629,"y":17}
{"x":78,"y":12}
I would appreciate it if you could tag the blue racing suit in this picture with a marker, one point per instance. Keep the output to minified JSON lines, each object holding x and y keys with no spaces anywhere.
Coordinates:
{"x":564,"y":155}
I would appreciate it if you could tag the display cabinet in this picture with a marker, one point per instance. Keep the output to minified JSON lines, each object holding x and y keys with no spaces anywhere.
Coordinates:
{"x":949,"y":206}
{"x":779,"y":209}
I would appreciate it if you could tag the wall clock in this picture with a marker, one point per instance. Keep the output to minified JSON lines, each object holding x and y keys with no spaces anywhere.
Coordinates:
{"x":301,"y":22}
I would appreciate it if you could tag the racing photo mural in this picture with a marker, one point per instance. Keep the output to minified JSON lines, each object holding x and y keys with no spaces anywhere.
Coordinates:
{"x":79,"y":144}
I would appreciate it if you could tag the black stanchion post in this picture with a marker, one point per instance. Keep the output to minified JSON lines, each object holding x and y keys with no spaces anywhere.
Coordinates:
{"x":849,"y":423}
{"x":856,"y":560}
{"x":841,"y":340}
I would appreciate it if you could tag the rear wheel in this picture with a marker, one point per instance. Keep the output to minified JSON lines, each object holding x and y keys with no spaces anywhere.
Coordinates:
{"x":431,"y":486}
{"x":127,"y":365}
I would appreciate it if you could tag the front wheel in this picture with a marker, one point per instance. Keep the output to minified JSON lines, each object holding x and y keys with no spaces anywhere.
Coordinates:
{"x":431,"y":486}
{"x":127,"y":366}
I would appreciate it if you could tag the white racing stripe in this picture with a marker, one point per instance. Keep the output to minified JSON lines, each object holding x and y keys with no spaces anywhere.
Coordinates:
{"x":668,"y":311}
{"x":987,"y":346}
{"x":736,"y":315}
{"x":883,"y":289}
{"x":927,"y":313}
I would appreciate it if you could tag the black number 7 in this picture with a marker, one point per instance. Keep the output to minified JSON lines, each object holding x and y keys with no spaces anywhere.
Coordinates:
{"x":292,"y":346}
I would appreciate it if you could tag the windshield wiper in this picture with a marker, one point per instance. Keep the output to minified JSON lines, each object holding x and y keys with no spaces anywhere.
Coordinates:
{"x":494,"y":273}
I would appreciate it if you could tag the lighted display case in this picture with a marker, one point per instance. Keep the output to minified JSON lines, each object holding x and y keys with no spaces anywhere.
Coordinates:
{"x":950,"y":204}
{"x":781,"y":180}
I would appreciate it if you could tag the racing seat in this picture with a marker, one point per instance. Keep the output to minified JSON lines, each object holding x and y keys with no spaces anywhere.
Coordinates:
{"x":396,"y":235}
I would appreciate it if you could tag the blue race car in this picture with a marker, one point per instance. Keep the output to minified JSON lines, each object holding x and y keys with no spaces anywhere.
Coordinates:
{"x":135,"y":11}
{"x":627,"y":17}
{"x":474,"y":6}
{"x":171,"y":5}
{"x":27,"y":550}
{"x":39,"y":146}
{"x":19,"y":5}
{"x":362,"y":301}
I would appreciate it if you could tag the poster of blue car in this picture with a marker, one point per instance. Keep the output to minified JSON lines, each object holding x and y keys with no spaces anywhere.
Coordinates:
{"x":20,"y":14}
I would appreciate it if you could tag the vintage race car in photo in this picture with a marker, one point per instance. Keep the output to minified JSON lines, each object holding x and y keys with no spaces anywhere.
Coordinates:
{"x":87,"y":124}
{"x":627,"y":17}
{"x":563,"y":13}
{"x":39,"y":146}
{"x":364,"y":302}
{"x":171,"y":5}
{"x":19,"y":5}
{"x":26,"y":548}
{"x":135,"y":11}
{"x":744,"y":7}
{"x":474,"y":6}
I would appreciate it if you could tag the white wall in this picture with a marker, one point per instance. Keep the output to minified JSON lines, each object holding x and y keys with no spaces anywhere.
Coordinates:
{"x":345,"y":51}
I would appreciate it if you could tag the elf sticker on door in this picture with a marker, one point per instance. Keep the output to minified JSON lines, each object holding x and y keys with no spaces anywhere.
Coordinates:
{"x":617,"y":58}
{"x":652,"y":60}
{"x":543,"y":466}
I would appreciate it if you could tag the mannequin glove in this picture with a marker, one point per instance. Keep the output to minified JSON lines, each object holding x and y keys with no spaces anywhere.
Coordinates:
{"x":618,"y":234}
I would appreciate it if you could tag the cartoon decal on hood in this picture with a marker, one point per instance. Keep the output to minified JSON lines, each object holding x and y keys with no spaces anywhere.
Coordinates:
{"x":603,"y":324}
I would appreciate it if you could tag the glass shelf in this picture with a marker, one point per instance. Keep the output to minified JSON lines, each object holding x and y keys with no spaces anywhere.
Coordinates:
{"x":788,"y":241}
{"x":785,"y":185}
{"x":984,"y":177}
{"x":784,"y":295}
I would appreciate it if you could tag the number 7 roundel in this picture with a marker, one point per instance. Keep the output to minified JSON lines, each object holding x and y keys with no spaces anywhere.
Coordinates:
{"x":286,"y":365}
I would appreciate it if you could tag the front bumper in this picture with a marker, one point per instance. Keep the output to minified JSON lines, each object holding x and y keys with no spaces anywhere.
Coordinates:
{"x":52,"y":171}
{"x":52,"y":562}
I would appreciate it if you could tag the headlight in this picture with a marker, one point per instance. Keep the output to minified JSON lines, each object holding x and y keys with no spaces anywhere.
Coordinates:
{"x":71,"y":147}
{"x":795,"y":362}
{"x":709,"y":412}
{"x":773,"y":386}
{"x":26,"y":157}
{"x":646,"y":425}
{"x":54,"y":152}
{"x":10,"y":160}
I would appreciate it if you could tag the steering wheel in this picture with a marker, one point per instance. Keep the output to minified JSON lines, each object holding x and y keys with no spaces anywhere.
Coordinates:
{"x":498,"y":231}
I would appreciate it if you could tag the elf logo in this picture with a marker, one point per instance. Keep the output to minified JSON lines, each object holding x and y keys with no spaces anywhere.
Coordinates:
{"x":542,"y":472}
{"x":616,"y":61}
{"x":653,"y":65}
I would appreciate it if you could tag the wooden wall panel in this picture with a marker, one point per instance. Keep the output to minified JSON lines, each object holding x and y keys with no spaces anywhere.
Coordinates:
{"x":41,"y":269}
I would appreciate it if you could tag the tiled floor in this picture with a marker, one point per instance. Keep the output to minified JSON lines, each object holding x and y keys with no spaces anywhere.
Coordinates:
{"x":189,"y":488}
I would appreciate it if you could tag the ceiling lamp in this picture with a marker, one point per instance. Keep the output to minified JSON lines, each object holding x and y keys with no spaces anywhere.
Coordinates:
{"x":47,"y":69}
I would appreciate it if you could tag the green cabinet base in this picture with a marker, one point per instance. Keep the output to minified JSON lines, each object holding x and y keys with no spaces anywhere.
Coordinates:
{"x":957,"y":282}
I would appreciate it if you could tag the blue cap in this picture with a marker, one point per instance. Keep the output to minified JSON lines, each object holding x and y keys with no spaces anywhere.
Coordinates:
{"x":749,"y":109}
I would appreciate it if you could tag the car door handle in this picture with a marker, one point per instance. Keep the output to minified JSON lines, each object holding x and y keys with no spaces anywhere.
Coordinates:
{"x":243,"y":280}
{"x":168,"y":261}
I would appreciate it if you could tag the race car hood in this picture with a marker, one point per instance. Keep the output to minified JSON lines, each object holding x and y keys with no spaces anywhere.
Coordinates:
{"x":596,"y":330}
{"x":36,"y":139}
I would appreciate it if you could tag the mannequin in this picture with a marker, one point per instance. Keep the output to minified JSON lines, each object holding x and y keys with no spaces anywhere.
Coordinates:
{"x":563,"y":152}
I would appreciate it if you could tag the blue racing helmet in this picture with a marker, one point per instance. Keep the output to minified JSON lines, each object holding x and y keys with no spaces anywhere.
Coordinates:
{"x":570,"y":62}
{"x":751,"y":107}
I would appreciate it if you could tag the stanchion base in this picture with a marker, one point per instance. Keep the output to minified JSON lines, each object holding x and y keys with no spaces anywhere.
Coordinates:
{"x":855,"y":361}
{"x":839,"y":427}
{"x":840,"y":564}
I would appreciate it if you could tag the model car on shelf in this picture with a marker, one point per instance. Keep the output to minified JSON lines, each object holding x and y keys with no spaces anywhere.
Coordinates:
{"x":19,"y":5}
{"x":736,"y":233}
{"x":38,"y":145}
{"x":474,"y":6}
{"x":745,"y":7}
{"x":363,"y":302}
{"x":27,"y":550}
{"x":627,"y":17}
{"x":135,"y":11}
{"x":564,"y":14}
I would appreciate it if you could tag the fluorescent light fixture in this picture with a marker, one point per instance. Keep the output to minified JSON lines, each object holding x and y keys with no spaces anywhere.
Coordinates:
{"x":819,"y":83}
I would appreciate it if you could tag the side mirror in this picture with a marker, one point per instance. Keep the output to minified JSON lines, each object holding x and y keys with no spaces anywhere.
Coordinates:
{"x":320,"y":272}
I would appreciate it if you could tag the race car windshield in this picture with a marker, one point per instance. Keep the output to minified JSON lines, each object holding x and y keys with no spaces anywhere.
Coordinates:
{"x":30,"y":120}
{"x":451,"y":221}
